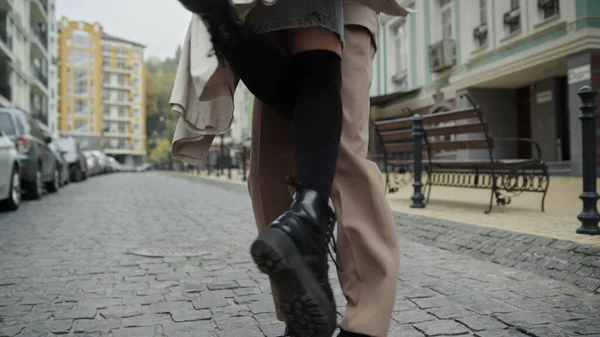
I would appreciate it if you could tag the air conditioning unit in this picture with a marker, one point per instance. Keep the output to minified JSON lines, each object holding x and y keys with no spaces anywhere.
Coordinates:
{"x":512,"y":17}
{"x":400,"y":78}
{"x":442,"y":55}
{"x":480,"y":34}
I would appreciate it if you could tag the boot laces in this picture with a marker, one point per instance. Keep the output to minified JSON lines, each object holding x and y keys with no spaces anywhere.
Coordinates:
{"x":293,"y":181}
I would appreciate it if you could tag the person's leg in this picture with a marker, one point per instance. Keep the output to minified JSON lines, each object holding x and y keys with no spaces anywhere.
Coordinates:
{"x":292,"y":250}
{"x":368,"y":252}
{"x":271,"y":158}
{"x":258,"y":62}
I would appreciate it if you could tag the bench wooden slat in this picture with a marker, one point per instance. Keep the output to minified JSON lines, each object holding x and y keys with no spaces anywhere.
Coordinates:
{"x":449,"y":116}
{"x":459,"y":145}
{"x":454,"y":130}
{"x":394,"y":124}
{"x":399,"y":135}
{"x":399,"y":147}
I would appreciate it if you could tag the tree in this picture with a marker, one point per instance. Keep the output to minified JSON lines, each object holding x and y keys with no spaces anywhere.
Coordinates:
{"x":160,"y":75}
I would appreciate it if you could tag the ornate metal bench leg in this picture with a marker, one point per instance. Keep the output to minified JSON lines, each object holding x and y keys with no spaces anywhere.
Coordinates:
{"x":547,"y":177}
{"x":489,"y":210}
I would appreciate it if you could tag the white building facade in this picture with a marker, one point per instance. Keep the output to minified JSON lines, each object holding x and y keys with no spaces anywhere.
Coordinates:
{"x":25,"y":56}
{"x":522,"y":61}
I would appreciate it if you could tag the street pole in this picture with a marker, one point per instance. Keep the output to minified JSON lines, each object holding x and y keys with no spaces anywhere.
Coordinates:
{"x":418,"y":132}
{"x":589,"y":216}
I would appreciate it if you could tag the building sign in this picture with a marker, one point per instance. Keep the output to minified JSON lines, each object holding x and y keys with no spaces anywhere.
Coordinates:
{"x":582,"y":73}
{"x":543,"y":97}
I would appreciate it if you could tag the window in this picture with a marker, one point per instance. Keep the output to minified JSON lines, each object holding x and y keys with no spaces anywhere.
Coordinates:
{"x":401,"y":53}
{"x":81,"y":107}
{"x":106,"y":78}
{"x":121,"y":50}
{"x":106,"y":48}
{"x":106,"y":109}
{"x":81,"y":81}
{"x":6,"y":124}
{"x":136,"y":81}
{"x":136,"y":65}
{"x":136,"y":111}
{"x":136,"y":52}
{"x":121,"y":79}
{"x":446,"y":10}
{"x":106,"y":62}
{"x":81,"y":38}
{"x":121,"y":112}
{"x":137,"y":127}
{"x":138,"y":143}
{"x":483,"y":12}
{"x":549,"y":8}
{"x":121,"y":64}
{"x":81,"y":126}
{"x":121,"y":96}
{"x":106,"y":95}
{"x":121,"y":144}
{"x":136,"y":97}
{"x":122,"y":127}
{"x":79,"y":58}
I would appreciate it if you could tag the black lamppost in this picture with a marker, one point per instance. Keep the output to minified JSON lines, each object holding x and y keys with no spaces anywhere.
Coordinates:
{"x":589,"y":216}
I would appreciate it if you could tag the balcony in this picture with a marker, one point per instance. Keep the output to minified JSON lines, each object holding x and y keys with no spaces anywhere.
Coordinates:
{"x":39,"y":10}
{"x":39,"y":42}
{"x":116,"y":118}
{"x":6,"y":41}
{"x":39,"y":78}
{"x":6,"y":5}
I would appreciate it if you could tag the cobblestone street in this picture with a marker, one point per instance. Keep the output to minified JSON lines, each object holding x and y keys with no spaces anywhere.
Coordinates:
{"x":67,"y":268}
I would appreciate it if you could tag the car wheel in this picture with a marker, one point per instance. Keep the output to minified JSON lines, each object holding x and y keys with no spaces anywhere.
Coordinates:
{"x":54,"y":185}
{"x":36,"y":189}
{"x":78,"y":174}
{"x":14,"y":197}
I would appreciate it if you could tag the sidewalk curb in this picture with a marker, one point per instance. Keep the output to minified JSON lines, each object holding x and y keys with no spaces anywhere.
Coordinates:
{"x":559,"y":259}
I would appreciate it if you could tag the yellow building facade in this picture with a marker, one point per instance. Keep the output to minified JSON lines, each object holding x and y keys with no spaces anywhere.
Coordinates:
{"x":102,"y":90}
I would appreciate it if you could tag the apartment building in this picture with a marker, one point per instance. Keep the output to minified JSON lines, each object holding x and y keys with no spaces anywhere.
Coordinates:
{"x":522,"y":61}
{"x":25,"y":56}
{"x":102,"y":90}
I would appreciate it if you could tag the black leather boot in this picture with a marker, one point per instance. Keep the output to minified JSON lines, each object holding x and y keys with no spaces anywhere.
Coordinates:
{"x":293,"y":251}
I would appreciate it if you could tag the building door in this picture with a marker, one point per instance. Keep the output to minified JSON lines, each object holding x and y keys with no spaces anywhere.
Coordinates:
{"x":562,"y":119}
{"x":524,"y":121}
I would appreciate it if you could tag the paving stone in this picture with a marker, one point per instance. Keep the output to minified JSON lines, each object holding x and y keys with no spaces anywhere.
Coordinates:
{"x":194,"y":315}
{"x":501,"y":333}
{"x":135,"y":332}
{"x":122,"y":311}
{"x":168,"y":307}
{"x":96,"y":325}
{"x":522,"y":319}
{"x":412,"y":316}
{"x":145,"y":320}
{"x":442,"y":327}
{"x":480,"y":323}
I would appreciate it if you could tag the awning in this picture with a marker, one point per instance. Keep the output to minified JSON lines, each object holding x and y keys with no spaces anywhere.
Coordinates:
{"x":380,"y":101}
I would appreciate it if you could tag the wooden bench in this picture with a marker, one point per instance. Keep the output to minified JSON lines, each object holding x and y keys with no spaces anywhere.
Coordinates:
{"x":431,"y":142}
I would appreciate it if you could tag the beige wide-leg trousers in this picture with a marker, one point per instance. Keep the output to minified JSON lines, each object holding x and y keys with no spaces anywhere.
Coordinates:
{"x":368,"y":251}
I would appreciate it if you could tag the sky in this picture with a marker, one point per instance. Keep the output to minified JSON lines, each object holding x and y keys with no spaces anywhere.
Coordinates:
{"x":158,"y":24}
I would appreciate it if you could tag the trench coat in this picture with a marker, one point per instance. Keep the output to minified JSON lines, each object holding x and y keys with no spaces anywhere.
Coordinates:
{"x":202,"y":96}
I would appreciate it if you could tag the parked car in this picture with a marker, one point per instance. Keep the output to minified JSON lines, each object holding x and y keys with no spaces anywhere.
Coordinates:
{"x":144,"y":167}
{"x":102,"y":161}
{"x":59,"y":154}
{"x":92,"y":163}
{"x":77,"y":161}
{"x":114,"y":165}
{"x":37,"y":163}
{"x":10,"y":181}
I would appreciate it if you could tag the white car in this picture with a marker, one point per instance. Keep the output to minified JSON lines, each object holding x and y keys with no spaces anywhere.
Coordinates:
{"x":10,"y":179}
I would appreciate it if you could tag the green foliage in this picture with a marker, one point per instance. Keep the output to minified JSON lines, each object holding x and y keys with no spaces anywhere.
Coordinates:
{"x":160,"y":122}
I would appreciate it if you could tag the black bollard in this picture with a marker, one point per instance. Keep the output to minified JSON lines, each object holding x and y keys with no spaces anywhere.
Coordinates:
{"x":418,"y":133}
{"x":244,"y":155}
{"x":589,"y":216}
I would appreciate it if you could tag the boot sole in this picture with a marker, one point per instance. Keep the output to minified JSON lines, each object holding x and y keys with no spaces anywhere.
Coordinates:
{"x":306,"y":307}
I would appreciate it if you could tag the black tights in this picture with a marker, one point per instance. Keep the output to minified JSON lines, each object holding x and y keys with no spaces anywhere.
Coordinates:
{"x":304,"y":88}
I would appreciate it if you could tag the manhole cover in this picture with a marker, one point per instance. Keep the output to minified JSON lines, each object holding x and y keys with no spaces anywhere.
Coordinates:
{"x":179,"y":249}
